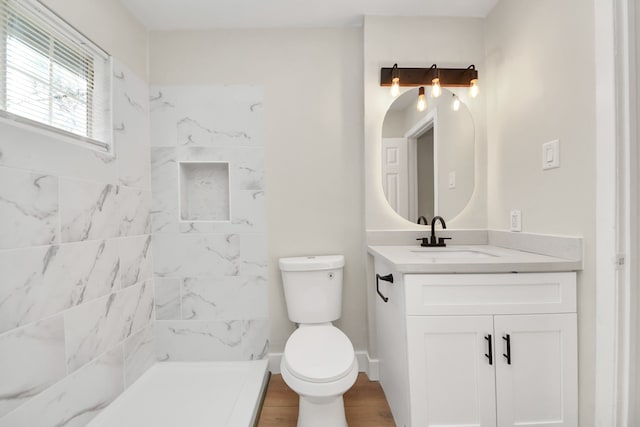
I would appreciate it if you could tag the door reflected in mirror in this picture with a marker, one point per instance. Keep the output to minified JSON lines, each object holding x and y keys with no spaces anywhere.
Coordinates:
{"x":428,"y":157}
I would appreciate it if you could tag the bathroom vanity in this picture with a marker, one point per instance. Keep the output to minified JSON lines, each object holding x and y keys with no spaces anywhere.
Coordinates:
{"x":477,"y":336}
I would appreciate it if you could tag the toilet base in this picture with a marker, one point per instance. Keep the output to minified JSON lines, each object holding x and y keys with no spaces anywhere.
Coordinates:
{"x":321,"y":412}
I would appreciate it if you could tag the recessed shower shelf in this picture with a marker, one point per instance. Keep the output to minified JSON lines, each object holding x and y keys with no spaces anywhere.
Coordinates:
{"x":204,"y":191}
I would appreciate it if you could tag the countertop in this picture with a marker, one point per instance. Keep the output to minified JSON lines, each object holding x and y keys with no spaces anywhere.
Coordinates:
{"x":414,"y":259}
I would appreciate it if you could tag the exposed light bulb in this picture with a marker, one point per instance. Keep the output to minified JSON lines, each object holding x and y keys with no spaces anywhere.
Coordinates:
{"x":436,"y":90}
{"x":422,"y":102}
{"x":473,"y":88}
{"x":456,"y":103}
{"x":395,"y":86}
{"x":395,"y":81}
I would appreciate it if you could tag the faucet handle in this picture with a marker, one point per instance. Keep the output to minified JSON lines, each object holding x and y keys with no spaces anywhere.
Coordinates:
{"x":425,"y":241}
{"x":441,"y":241}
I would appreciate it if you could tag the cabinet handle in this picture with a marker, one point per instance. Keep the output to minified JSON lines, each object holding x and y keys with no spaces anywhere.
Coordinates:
{"x":489,"y":356}
{"x":387,"y":278}
{"x":507,"y":339}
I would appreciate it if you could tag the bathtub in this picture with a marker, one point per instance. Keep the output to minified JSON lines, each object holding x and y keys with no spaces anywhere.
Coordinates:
{"x":211,"y":394}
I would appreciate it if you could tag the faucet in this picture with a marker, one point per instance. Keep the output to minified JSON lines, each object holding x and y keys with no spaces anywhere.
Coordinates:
{"x":423,"y":219}
{"x":433,"y":241}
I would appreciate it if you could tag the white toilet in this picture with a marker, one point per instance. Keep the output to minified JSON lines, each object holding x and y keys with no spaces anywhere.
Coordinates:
{"x":318,"y":361}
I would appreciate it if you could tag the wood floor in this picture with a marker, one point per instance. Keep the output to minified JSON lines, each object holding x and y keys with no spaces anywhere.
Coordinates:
{"x":365,"y":405}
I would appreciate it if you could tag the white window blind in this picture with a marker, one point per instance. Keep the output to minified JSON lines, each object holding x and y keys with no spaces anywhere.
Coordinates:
{"x":52,"y":76}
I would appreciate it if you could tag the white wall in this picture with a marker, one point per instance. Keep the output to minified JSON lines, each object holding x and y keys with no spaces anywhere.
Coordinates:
{"x":313,"y":124}
{"x":111,"y":26}
{"x":418,"y":42}
{"x":539,"y":87}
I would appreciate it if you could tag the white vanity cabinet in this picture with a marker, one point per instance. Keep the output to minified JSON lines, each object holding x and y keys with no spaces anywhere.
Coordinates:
{"x":486,"y":350}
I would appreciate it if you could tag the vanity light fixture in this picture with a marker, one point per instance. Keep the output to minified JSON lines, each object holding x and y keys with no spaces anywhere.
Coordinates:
{"x":432,"y":76}
{"x":456,"y":103}
{"x":422,"y":102}
{"x":395,"y":81}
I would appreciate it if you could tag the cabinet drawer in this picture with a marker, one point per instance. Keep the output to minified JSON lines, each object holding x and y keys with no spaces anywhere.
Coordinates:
{"x":515,"y":293}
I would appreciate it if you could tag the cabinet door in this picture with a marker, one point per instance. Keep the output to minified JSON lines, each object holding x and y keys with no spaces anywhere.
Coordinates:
{"x":391,"y":342}
{"x":451,"y":381}
{"x":540,"y":386}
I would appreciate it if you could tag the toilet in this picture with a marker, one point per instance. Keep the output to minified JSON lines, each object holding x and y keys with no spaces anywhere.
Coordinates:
{"x":318,"y":362}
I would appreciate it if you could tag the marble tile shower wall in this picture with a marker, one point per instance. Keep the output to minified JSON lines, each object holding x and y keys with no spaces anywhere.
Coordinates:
{"x":76,"y":291}
{"x":210,"y":276}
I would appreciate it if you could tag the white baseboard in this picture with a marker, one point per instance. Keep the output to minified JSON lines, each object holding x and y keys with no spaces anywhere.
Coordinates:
{"x":365,"y":364}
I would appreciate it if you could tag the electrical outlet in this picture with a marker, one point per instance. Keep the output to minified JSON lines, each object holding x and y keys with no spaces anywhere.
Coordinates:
{"x":516,"y":220}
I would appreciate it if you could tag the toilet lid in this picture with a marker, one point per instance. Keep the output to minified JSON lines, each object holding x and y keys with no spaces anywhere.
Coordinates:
{"x":319,"y":353}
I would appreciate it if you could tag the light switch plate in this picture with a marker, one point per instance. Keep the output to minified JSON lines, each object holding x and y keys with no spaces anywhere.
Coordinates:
{"x":452,"y":180}
{"x":551,"y":155}
{"x":516,"y":220}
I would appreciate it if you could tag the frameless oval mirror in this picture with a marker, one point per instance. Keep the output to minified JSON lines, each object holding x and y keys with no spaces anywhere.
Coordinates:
{"x":428,"y":157}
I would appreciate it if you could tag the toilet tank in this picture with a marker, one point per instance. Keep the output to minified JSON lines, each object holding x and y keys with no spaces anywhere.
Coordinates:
{"x":313,"y":287}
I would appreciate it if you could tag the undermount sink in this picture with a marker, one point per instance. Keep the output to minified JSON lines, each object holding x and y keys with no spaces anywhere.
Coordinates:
{"x":444,"y":253}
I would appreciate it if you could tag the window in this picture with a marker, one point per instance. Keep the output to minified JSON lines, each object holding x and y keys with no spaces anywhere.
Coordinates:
{"x":52,"y":76}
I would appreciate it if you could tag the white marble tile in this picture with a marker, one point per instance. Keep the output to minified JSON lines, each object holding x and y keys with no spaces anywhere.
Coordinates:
{"x":17,"y":418}
{"x":196,"y":130}
{"x":130,"y":107}
{"x":178,"y":340}
{"x":255,"y":339}
{"x":248,"y":172}
{"x":133,"y":164}
{"x":225,"y":298}
{"x":164,"y":116}
{"x":248,"y":215}
{"x":207,"y":115}
{"x":253,"y":248}
{"x":204,"y":191}
{"x":164,"y":184}
{"x":41,"y":281}
{"x":134,"y":211}
{"x":97,"y":326}
{"x":135,"y":259}
{"x":27,"y":149}
{"x":31,"y":359}
{"x":190,"y":255}
{"x":88,"y":210}
{"x":75,"y":400}
{"x":139,"y":354}
{"x":246,"y":163}
{"x":167,"y":298}
{"x":28,"y":208}
{"x":250,"y":212}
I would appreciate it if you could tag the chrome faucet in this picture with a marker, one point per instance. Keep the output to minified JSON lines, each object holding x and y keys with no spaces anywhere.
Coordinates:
{"x":433,"y":241}
{"x":423,"y":219}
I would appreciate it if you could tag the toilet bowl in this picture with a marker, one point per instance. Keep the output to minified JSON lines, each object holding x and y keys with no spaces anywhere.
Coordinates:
{"x":318,"y":362}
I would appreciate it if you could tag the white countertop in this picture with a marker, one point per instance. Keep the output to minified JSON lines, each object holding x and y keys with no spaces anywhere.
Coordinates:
{"x":470,"y":259}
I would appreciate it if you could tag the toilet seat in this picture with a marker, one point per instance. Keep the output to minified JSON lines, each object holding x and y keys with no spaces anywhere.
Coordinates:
{"x":319,"y":354}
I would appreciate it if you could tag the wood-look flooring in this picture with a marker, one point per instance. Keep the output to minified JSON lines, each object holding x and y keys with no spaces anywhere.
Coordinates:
{"x":364,"y":404}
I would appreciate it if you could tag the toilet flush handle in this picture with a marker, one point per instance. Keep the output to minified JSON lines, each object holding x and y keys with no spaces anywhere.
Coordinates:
{"x":387,"y":278}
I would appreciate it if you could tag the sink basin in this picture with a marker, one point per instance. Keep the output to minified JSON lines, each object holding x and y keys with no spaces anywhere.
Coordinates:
{"x":443,"y":253}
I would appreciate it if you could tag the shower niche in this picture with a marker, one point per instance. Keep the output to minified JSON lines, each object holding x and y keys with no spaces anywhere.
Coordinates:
{"x":204,"y":191}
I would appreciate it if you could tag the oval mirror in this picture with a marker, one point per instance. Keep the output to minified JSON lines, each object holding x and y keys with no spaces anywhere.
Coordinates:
{"x":428,"y":157}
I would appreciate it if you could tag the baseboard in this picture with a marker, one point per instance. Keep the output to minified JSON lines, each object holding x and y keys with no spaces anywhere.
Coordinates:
{"x":365,"y":364}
